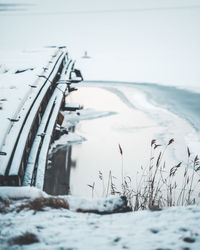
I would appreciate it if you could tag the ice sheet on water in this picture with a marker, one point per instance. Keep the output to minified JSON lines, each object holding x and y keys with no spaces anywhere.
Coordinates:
{"x":71,"y":119}
{"x":87,"y":114}
{"x":66,"y":139}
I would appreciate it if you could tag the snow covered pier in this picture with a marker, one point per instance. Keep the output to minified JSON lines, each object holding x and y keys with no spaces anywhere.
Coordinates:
{"x":27,"y":132}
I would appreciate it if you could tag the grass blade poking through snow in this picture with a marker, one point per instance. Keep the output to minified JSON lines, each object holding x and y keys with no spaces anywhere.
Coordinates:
{"x":122,"y":165}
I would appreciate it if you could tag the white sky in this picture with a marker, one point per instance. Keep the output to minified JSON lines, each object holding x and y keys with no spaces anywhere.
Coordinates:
{"x":147,"y":40}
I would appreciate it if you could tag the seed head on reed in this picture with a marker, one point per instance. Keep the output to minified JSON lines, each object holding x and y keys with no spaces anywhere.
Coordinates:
{"x":92,"y":187}
{"x":120,"y":149}
{"x":153,"y":142}
{"x":170,"y":141}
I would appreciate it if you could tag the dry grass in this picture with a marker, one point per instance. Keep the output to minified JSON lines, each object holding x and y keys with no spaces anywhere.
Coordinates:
{"x":159,"y":185}
{"x":38,"y":204}
{"x":4,"y":205}
{"x":25,"y":239}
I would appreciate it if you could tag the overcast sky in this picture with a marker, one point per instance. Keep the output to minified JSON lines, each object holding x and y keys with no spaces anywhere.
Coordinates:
{"x":131,"y":40}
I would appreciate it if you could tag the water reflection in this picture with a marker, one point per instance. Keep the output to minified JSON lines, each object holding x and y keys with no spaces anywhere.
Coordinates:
{"x":57,"y":177}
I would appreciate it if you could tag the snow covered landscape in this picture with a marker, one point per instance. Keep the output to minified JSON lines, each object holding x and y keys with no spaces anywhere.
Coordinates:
{"x":140,"y":96}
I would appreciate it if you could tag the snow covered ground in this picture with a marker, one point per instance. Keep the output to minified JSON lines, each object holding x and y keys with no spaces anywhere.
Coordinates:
{"x":175,"y":228}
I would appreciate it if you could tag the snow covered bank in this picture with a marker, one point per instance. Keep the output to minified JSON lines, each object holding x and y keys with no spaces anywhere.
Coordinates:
{"x":172,"y":228}
{"x":17,"y":193}
{"x":35,"y":199}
